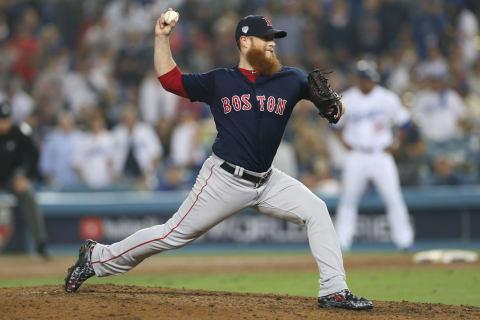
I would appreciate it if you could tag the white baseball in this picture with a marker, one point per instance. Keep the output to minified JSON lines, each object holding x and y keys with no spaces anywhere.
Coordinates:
{"x":171,"y":16}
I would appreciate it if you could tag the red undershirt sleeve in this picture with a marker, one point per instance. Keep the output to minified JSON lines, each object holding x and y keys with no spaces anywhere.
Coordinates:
{"x":172,"y":82}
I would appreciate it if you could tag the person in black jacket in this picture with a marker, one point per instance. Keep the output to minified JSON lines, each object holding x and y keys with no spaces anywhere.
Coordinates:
{"x":18,"y":164}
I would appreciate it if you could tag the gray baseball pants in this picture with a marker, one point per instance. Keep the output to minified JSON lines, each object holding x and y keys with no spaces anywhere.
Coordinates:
{"x":218,"y":195}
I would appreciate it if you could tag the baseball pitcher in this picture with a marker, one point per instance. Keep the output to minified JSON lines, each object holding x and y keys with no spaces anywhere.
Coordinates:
{"x":251,"y":104}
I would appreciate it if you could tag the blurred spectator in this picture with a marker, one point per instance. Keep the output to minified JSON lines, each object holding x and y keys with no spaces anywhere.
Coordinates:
{"x":200,"y":57}
{"x":293,"y":22}
{"x":93,"y":155}
{"x":185,"y":150}
{"x":434,"y":63}
{"x":137,"y":150}
{"x":79,"y":55}
{"x":411,"y":157}
{"x":428,"y":21}
{"x":225,"y":50}
{"x":474,"y":77}
{"x":132,"y":59}
{"x":207,"y":132}
{"x":438,"y":110}
{"x":368,"y":29}
{"x":26,"y":46}
{"x":18,"y":166}
{"x":174,"y":178}
{"x":285,"y":159}
{"x":7,"y":56}
{"x":310,"y":138}
{"x":77,"y":90}
{"x":313,"y":13}
{"x":155,"y":102}
{"x":50,"y":42}
{"x":47,"y":95}
{"x":56,"y":157}
{"x":67,"y":15}
{"x":95,"y":32}
{"x":320,"y":181}
{"x":4,"y":28}
{"x":467,"y":25}
{"x":21,"y":102}
{"x":444,"y":172}
{"x":100,"y":77}
{"x":126,"y":15}
{"x":393,"y":15}
{"x":396,"y":70}
{"x":457,"y":79}
{"x":472,"y":100}
{"x":337,"y":31}
{"x":164,"y":128}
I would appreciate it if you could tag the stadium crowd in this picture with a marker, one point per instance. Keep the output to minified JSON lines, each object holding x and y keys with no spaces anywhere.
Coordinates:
{"x":80,"y":73}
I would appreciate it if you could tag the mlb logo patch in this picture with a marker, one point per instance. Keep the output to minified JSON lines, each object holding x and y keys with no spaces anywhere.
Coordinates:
{"x":245,"y":29}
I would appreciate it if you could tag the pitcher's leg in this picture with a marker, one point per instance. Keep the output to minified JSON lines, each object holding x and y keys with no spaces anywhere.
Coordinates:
{"x":388,"y":184}
{"x":354,"y":181}
{"x":210,"y":201}
{"x":286,"y":198}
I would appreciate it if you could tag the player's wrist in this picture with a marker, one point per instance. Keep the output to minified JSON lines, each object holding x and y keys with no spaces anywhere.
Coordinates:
{"x":162,"y":36}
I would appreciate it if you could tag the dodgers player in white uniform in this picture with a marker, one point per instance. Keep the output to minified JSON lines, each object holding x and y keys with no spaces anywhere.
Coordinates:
{"x":367,"y":132}
{"x":251,"y":106}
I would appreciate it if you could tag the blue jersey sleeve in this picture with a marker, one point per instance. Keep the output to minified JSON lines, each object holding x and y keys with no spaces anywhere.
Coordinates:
{"x":199,"y":86}
{"x":304,"y":87}
{"x":304,"y":90}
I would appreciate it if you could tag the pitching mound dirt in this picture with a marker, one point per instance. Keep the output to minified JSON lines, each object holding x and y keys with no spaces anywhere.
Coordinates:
{"x":131,"y":302}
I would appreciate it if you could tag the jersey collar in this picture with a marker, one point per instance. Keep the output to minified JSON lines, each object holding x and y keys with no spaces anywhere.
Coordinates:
{"x":259,"y":79}
{"x":249,"y":74}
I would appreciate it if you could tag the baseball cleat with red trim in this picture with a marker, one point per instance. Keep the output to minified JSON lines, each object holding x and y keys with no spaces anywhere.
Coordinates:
{"x":82,"y":269}
{"x":344,"y":299}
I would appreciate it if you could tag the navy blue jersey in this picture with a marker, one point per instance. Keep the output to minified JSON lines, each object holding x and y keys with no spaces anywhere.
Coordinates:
{"x":250,"y":117}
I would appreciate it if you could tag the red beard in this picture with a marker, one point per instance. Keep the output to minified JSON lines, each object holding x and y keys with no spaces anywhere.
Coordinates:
{"x":262,"y":64}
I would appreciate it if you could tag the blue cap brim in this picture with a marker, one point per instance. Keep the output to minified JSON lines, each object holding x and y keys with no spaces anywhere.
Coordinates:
{"x":372,"y":76}
{"x":275,"y":32}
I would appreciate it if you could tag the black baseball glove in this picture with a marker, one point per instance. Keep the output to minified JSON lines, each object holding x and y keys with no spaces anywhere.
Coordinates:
{"x":323,"y":97}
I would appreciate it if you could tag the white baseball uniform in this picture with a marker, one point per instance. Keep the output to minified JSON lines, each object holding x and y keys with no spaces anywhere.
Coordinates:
{"x":93,"y":155}
{"x":367,"y":129}
{"x":146,"y":148}
{"x":438,"y":114}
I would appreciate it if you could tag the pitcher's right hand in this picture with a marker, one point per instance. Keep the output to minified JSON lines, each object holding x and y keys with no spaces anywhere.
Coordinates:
{"x":162,"y":29}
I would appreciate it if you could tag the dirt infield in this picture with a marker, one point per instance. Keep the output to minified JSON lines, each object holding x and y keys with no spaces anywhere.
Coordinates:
{"x":133,"y":302}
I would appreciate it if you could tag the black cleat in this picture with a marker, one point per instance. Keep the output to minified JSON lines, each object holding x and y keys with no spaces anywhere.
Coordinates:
{"x":344,"y":299}
{"x":82,"y":270}
{"x":42,"y":251}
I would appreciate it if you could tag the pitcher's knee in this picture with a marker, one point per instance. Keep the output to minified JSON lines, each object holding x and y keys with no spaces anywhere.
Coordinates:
{"x":179,"y":239}
{"x":317,"y":210}
{"x":322,"y":205}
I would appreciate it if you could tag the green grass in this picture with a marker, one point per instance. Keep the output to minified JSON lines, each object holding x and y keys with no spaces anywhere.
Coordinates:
{"x":456,"y":286}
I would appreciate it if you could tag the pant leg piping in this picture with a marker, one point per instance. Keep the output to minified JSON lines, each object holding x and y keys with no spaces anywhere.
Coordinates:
{"x":165,"y":236}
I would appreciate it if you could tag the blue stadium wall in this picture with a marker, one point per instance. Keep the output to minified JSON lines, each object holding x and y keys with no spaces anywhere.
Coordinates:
{"x":436,"y":213}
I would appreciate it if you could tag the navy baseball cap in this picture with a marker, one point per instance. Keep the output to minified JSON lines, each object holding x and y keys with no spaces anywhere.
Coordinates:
{"x":367,"y":70}
{"x":5,"y":109}
{"x":259,"y":26}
